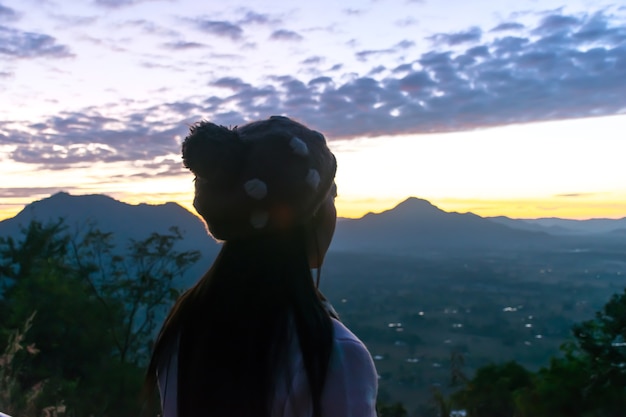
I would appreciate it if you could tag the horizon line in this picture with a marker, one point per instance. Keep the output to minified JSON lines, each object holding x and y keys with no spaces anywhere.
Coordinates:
{"x":8,"y":214}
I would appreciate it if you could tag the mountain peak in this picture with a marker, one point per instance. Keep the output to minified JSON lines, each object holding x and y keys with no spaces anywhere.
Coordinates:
{"x":414,"y":206}
{"x":415,"y":203}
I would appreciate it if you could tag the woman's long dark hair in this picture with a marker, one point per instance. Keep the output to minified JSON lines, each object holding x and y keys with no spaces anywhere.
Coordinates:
{"x":235,"y":326}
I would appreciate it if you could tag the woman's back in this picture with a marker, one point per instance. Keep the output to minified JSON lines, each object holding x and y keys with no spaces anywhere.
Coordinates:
{"x":350,"y":388}
{"x":253,"y":336}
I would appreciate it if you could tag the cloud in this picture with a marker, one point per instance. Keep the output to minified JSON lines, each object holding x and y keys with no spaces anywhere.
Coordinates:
{"x":18,"y":44}
{"x":451,"y":39}
{"x":21,"y":192}
{"x":87,"y":136}
{"x":220,"y":28}
{"x":73,"y":21}
{"x":285,"y":35}
{"x":508,"y":26}
{"x":313,"y":60}
{"x":162,"y":168}
{"x":254,"y":18}
{"x":235,"y":84}
{"x":183,"y":45}
{"x":150,"y":28}
{"x":354,"y":12}
{"x":405,"y":44}
{"x":575,"y":195}
{"x":556,"y":69}
{"x":8,"y":14}
{"x":369,"y":53}
{"x":116,"y":4}
{"x":555,"y":22}
{"x":503,"y":79}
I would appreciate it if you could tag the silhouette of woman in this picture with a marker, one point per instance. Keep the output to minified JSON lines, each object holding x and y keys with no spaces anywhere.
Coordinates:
{"x":254,"y":337}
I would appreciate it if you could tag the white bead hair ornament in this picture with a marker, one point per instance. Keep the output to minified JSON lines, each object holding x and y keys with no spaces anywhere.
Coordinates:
{"x":255,"y":188}
{"x":313,"y":178}
{"x":298,"y":146}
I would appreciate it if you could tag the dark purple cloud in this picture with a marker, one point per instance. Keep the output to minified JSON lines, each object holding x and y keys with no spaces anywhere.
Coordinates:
{"x":183,"y":45}
{"x":451,"y":39}
{"x":116,"y":4}
{"x":20,"y":192}
{"x":285,"y":35}
{"x":255,"y":18}
{"x":557,"y":74}
{"x":165,"y":168}
{"x":555,"y":22}
{"x":568,"y":67}
{"x":405,"y":44}
{"x":364,"y":55}
{"x":381,"y":68}
{"x":220,"y":28}
{"x":8,"y":14}
{"x":373,"y":53}
{"x":235,"y":84}
{"x":508,"y":26}
{"x":18,"y":44}
{"x":313,"y":60}
{"x":84,"y":137}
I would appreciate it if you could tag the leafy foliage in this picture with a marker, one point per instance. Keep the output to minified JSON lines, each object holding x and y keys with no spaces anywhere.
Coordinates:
{"x":15,"y":398}
{"x":589,"y":380}
{"x":391,"y":410}
{"x":97,"y":312}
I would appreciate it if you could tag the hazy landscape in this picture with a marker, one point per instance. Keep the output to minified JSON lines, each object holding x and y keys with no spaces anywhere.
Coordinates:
{"x":486,"y":108}
{"x":418,"y":284}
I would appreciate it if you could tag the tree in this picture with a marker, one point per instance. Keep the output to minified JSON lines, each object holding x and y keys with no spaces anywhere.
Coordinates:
{"x":37,"y":276}
{"x":602,"y":343}
{"x":97,"y":311}
{"x":603,"y":339}
{"x":494,"y":389}
{"x":141,"y":284}
{"x":589,"y":380}
{"x":558,"y":389}
{"x":14,"y":397}
{"x":391,"y":410}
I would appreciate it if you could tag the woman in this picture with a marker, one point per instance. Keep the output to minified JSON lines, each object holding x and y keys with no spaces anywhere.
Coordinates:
{"x":254,"y":337}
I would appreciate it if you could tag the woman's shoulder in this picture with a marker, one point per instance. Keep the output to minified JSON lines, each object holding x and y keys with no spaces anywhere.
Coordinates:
{"x":350,"y":348}
{"x":342,"y":333}
{"x":352,"y":380}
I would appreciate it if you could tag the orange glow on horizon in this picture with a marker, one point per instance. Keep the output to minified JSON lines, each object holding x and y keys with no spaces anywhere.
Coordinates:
{"x":529,"y":208}
{"x":561,"y":207}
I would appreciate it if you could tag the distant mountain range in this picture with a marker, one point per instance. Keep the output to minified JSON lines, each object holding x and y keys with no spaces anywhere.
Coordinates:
{"x":556,"y":226}
{"x":126,"y":221}
{"x":414,"y":227}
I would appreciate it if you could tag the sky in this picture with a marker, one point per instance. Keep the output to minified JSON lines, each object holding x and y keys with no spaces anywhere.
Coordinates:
{"x":513,"y":107}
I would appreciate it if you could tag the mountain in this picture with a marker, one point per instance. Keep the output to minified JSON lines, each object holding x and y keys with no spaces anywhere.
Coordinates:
{"x":416,"y":226}
{"x":126,"y":221}
{"x":556,"y":226}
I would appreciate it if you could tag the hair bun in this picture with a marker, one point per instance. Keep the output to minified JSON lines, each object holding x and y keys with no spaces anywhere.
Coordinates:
{"x":263,"y":177}
{"x":212,"y":152}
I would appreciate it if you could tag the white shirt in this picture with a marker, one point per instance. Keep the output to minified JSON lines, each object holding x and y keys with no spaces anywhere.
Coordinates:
{"x":350,"y":389}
